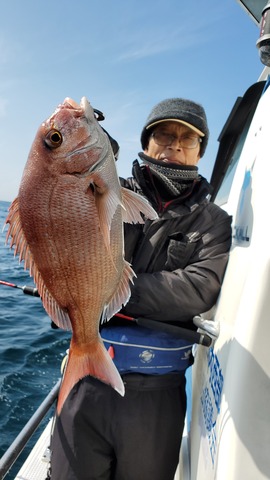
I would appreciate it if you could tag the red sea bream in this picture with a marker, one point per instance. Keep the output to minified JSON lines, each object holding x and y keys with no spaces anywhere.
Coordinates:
{"x":67,"y":226}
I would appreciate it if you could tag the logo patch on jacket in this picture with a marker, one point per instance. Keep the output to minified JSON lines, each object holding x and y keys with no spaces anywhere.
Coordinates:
{"x":147,"y":356}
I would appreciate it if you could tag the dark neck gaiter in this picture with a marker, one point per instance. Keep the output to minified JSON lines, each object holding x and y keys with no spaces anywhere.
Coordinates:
{"x":173,"y":179}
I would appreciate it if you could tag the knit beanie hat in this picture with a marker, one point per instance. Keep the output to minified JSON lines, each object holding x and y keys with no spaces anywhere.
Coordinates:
{"x":179,"y":110}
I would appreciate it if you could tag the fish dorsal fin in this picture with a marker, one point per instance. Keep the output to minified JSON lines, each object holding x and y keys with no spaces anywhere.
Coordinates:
{"x":135,"y":204}
{"x":122,"y":294}
{"x":18,"y":240}
{"x":17,"y":237}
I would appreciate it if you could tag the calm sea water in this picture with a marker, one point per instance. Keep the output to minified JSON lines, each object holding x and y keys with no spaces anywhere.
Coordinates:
{"x":30,"y":351}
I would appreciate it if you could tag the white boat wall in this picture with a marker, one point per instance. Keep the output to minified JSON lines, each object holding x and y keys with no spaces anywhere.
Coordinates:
{"x":229,"y":433}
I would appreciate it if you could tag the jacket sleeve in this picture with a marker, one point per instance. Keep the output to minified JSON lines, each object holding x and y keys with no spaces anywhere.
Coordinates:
{"x":180,"y":294}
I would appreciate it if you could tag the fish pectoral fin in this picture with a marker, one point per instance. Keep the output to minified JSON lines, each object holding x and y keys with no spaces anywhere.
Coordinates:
{"x":106,"y":201}
{"x":92,"y":360}
{"x":121,"y":295}
{"x":135,"y":204}
{"x":100,"y":186}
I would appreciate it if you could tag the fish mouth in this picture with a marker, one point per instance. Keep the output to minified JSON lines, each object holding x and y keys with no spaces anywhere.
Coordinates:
{"x":71,"y":103}
{"x":84,"y":107}
{"x":84,"y":111}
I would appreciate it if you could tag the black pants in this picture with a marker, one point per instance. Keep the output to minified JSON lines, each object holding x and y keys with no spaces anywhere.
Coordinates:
{"x":103,"y":436}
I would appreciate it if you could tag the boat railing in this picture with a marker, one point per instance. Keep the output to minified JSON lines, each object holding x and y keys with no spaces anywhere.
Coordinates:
{"x":17,"y":446}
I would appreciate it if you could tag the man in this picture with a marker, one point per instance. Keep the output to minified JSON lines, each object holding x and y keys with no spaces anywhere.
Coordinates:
{"x":180,"y":260}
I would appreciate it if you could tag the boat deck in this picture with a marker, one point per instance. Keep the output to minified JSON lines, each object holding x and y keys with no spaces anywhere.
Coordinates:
{"x":36,"y":465}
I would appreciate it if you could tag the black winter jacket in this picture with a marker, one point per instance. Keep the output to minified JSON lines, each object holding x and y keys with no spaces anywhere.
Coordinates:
{"x":180,"y":258}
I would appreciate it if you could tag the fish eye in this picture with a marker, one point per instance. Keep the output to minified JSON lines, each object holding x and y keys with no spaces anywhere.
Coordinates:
{"x":53,"y":139}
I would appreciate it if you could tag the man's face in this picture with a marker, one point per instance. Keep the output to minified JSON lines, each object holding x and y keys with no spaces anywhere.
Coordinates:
{"x":171,"y":150}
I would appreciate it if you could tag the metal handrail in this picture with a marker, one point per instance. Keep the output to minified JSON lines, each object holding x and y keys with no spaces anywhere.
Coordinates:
{"x":15,"y":449}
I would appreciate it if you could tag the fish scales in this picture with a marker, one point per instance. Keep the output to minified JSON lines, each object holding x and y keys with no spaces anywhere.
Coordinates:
{"x":67,"y":226}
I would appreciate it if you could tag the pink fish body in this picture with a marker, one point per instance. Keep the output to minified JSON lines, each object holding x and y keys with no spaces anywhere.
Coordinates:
{"x":67,"y":226}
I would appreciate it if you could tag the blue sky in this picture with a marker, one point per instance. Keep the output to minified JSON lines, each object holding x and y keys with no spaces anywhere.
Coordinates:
{"x":124,"y":56}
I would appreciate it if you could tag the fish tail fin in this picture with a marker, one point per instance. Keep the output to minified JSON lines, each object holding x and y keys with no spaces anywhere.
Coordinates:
{"x":94,"y":361}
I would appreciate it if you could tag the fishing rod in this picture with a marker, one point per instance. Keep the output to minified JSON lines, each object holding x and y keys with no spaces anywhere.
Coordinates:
{"x":180,"y":332}
{"x":187,"y":334}
{"x":26,"y":289}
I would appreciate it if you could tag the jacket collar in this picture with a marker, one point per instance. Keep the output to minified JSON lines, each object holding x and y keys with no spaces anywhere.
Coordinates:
{"x":196,"y":194}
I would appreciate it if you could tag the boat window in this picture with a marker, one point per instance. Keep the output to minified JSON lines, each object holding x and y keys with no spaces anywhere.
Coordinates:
{"x":225,"y":187}
{"x":231,"y":142}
